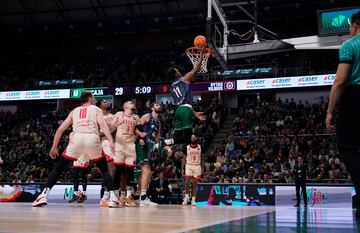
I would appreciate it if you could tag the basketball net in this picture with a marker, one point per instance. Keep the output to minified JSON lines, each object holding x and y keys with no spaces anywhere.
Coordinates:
{"x":194,"y":55}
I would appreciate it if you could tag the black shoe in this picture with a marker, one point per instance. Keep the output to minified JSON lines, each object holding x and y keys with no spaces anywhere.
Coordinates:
{"x":73,"y":199}
{"x":82,"y":198}
{"x":297,"y":205}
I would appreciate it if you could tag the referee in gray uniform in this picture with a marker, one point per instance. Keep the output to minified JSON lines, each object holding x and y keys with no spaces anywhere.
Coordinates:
{"x":345,"y":92}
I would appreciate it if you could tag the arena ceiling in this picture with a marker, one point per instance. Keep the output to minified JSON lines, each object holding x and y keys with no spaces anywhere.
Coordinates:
{"x":29,"y":17}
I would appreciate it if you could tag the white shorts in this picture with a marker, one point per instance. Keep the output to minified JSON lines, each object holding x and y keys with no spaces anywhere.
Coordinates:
{"x":109,"y":155}
{"x":125,"y":154}
{"x":81,"y":162}
{"x":193,"y":171}
{"x":83,"y":143}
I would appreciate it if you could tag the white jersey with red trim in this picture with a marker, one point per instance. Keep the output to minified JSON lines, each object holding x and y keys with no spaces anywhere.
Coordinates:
{"x":85,"y":119}
{"x":109,"y":118}
{"x":193,"y":155}
{"x":125,"y":127}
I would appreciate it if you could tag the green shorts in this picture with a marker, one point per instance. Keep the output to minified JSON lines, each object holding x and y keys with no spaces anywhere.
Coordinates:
{"x":141,"y":154}
{"x":183,"y":118}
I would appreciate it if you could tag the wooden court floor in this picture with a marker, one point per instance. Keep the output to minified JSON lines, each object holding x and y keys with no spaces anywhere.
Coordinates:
{"x":60,"y":217}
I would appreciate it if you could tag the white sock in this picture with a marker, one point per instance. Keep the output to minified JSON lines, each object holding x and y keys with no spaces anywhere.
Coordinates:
{"x":107,"y":195}
{"x":111,"y":194}
{"x":123,"y":194}
{"x":193,"y":199}
{"x":187,"y":196}
{"x":46,"y":191}
{"x":128,"y":191}
{"x":143,"y":192}
{"x":169,"y":142}
{"x":117,"y":193}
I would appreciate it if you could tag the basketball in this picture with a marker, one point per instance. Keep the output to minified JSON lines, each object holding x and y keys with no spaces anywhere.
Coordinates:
{"x":200,"y":41}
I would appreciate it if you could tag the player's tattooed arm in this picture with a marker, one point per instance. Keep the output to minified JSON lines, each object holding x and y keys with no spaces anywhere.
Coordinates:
{"x":140,"y":123}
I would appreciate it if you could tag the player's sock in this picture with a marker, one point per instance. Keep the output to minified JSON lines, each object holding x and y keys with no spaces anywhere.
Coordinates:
{"x":106,"y":195}
{"x":117,"y":192}
{"x":187,"y":196}
{"x":46,"y":191}
{"x":123,"y":194}
{"x":143,"y":195}
{"x":169,"y":142}
{"x":193,"y":199}
{"x":128,"y":192}
{"x":112,"y":194}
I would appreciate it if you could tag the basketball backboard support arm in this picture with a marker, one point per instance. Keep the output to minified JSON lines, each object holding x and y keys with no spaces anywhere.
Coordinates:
{"x":221,"y":54}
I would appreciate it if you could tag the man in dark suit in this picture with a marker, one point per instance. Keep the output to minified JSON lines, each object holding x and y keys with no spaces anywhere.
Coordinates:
{"x":159,"y":190}
{"x":300,"y":180}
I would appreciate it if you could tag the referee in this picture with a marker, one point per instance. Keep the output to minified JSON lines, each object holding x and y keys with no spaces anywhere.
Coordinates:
{"x":346,"y":92}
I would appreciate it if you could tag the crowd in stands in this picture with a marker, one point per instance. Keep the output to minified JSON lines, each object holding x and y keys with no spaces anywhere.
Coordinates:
{"x":262,"y":146}
{"x":267,"y":138}
{"x":113,"y":69}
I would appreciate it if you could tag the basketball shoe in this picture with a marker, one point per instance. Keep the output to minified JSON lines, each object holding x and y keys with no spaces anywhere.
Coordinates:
{"x":147,"y":202}
{"x":82,"y":198}
{"x":40,"y":201}
{"x":129,"y":202}
{"x":104,"y":202}
{"x":114,"y":202}
{"x":186,"y":200}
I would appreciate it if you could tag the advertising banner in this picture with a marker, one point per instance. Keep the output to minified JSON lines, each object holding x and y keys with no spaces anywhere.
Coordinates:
{"x":318,"y":196}
{"x":286,"y":82}
{"x":235,"y":195}
{"x":35,"y":95}
{"x":28,"y":192}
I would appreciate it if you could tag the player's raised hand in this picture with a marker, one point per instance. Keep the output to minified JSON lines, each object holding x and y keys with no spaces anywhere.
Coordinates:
{"x":200,"y":116}
{"x":53,"y":152}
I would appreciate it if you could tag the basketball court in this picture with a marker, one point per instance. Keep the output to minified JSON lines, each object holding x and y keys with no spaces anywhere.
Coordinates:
{"x":56,"y":217}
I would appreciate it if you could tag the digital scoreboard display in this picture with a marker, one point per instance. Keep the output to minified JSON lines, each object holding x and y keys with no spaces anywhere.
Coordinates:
{"x":335,"y":22}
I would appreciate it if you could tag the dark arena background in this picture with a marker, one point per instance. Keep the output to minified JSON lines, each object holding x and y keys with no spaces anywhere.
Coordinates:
{"x":265,"y":96}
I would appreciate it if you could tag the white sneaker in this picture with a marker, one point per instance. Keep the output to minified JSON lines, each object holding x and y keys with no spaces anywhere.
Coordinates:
{"x":186,"y":201}
{"x":147,"y":202}
{"x":40,"y":201}
{"x":193,"y":203}
{"x":114,"y":203}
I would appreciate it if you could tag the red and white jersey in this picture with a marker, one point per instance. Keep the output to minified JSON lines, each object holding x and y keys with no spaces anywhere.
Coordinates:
{"x":85,"y":119}
{"x":109,"y":118}
{"x":125,"y":127}
{"x":193,"y":155}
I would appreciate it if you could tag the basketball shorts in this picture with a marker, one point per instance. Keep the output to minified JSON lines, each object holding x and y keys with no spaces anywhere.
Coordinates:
{"x":84,"y":143}
{"x":125,"y":154}
{"x":81,"y":162}
{"x":109,"y":155}
{"x":183,"y":117}
{"x":193,"y":171}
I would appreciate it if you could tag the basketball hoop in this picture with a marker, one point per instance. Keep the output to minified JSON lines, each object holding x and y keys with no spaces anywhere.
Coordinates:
{"x":194,"y":55}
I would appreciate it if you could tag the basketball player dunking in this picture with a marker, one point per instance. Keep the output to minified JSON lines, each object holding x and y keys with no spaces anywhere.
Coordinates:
{"x":85,"y":139}
{"x":182,"y":94}
{"x":125,"y":155}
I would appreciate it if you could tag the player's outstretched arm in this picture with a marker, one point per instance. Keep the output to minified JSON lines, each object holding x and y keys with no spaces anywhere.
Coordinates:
{"x":189,"y":76}
{"x":138,"y":131}
{"x":200,"y":116}
{"x":59,"y":132}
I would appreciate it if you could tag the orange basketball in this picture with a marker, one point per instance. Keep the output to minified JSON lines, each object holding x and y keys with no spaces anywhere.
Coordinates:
{"x":200,"y":41}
